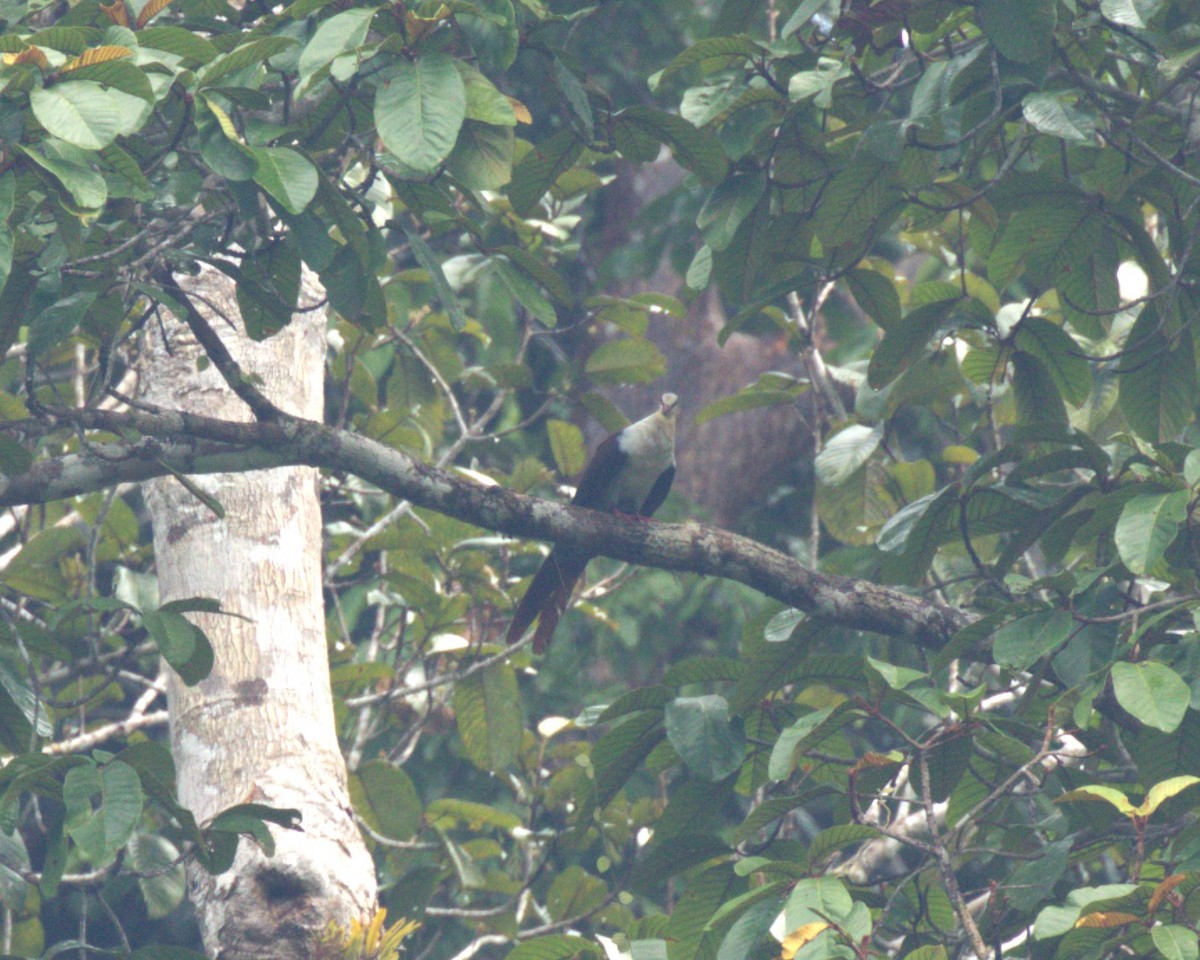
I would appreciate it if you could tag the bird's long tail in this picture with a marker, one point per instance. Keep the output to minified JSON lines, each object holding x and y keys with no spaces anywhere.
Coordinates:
{"x":547,"y":597}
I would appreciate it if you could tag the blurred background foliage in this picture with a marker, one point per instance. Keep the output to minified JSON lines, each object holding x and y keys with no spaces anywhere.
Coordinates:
{"x":923,"y":275}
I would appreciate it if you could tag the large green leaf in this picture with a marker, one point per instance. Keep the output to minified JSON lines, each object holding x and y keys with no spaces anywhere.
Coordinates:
{"x":341,"y":33}
{"x":1059,"y":354}
{"x":1157,"y":379}
{"x":103,"y":804}
{"x":700,"y":730}
{"x":1148,"y":524}
{"x":182,"y":644}
{"x":1022,"y":30}
{"x":487,"y":706}
{"x":1023,"y":642}
{"x":420,"y":111}
{"x":544,"y":164}
{"x":286,"y":175}
{"x":385,"y":797}
{"x":85,"y":114}
{"x":903,"y":342}
{"x":846,"y":451}
{"x":727,"y":206}
{"x":1152,"y":692}
{"x":626,"y":361}
{"x":695,"y":149}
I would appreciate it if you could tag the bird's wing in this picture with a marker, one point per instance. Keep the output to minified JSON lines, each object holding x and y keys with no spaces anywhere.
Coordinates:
{"x":658,"y":493}
{"x":598,"y":476}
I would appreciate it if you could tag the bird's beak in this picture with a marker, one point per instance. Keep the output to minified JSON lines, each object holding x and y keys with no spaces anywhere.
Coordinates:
{"x":670,"y":404}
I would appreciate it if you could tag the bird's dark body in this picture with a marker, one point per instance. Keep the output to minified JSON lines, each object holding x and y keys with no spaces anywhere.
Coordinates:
{"x":630,"y":472}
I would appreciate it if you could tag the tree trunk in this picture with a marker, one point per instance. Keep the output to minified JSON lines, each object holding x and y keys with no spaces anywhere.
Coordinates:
{"x":261,"y":727}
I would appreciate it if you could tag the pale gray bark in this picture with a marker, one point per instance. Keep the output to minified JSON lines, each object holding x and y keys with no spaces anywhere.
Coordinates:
{"x":261,"y":727}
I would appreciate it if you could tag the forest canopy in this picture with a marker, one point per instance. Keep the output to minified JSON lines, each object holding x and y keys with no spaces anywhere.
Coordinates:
{"x":914,"y":671}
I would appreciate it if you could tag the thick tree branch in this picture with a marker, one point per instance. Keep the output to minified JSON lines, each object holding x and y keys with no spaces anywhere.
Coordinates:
{"x":191,"y":444}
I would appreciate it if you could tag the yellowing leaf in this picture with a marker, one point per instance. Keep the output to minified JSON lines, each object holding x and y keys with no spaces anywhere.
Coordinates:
{"x":1161,"y":792}
{"x":116,"y":12}
{"x":800,"y":936}
{"x":32,"y":55}
{"x":97,"y":55}
{"x":1107,"y":920}
{"x":1165,"y":887}
{"x":956,"y":453}
{"x":150,"y":9}
{"x":1101,"y":792}
{"x":418,"y":28}
{"x":223,"y":119}
{"x":522,"y":112}
{"x":870,"y":760}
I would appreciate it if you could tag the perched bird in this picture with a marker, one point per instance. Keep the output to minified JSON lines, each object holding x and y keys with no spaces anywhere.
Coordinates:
{"x":630,"y":472}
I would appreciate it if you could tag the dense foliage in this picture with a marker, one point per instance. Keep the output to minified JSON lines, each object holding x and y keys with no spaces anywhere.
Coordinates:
{"x":940,"y":210}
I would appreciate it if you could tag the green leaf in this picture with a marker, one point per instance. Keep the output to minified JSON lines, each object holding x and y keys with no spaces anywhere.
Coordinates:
{"x":385,"y":797}
{"x":1175,"y":942}
{"x":714,"y":53}
{"x":487,"y":707}
{"x":483,"y":157}
{"x":846,"y":451}
{"x":491,"y":28}
{"x":1131,"y":13}
{"x":183,"y":43}
{"x":619,"y":752}
{"x":525,"y":292}
{"x":1059,"y":354}
{"x":1148,"y":524}
{"x":428,"y":260}
{"x":56,"y":323}
{"x":1152,"y":692}
{"x":567,"y":447}
{"x":1022,"y":30}
{"x":1021,"y":643}
{"x":626,"y":361}
{"x":1039,"y":403}
{"x":559,"y":946}
{"x":419,"y":112}
{"x":1157,"y":379}
{"x":1050,"y":113}
{"x":876,"y":295}
{"x":182,"y":644}
{"x":253,"y":53}
{"x":161,"y":878}
{"x":694,"y":149}
{"x":701,"y":733}
{"x":727,"y":206}
{"x":903,"y":342}
{"x":672,"y":855}
{"x":84,"y":114}
{"x":544,"y":164}
{"x":286,"y":175}
{"x":116,"y":791}
{"x":86,"y":187}
{"x":485,"y":103}
{"x":339,"y":34}
{"x":851,"y":202}
{"x":783,"y":754}
{"x":575,"y":892}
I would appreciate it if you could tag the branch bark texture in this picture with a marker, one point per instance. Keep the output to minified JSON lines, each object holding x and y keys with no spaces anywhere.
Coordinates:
{"x":194,"y":444}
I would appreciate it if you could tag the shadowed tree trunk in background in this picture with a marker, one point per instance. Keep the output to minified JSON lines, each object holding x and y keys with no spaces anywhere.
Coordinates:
{"x":261,"y":727}
{"x":734,"y":461}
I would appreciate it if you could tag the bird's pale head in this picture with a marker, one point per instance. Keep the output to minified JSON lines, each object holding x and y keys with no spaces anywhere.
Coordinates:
{"x":669,"y":404}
